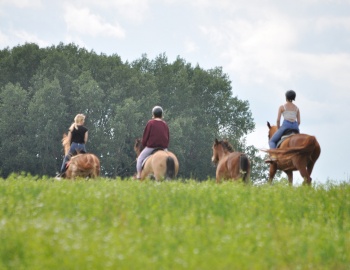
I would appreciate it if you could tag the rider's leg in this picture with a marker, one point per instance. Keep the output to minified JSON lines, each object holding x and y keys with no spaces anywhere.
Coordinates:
{"x":145,"y":153}
{"x":72,"y":151}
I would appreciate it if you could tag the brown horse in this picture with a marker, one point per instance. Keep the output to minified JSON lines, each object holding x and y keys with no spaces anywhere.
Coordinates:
{"x":161,"y":164}
{"x":230,"y":164}
{"x":299,"y":152}
{"x":81,"y":165}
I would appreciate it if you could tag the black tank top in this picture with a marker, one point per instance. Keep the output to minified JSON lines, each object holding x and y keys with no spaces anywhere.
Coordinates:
{"x":79,"y":134}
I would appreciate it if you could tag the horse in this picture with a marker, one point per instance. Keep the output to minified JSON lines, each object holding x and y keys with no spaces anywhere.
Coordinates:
{"x":298,"y":152}
{"x":80,"y":165}
{"x":230,"y":164}
{"x":161,"y":164}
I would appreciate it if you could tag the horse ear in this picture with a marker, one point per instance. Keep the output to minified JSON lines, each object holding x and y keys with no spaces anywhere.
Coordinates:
{"x":216,"y":141}
{"x":268,"y":124}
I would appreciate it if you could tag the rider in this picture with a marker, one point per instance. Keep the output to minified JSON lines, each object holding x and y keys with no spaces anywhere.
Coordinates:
{"x":291,"y":115}
{"x":78,"y":136}
{"x":155,"y":135}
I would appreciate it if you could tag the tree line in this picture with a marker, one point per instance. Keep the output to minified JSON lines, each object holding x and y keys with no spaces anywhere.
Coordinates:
{"x":42,"y":89}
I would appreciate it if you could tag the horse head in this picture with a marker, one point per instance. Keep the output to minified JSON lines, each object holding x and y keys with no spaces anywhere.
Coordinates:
{"x":220,"y":148}
{"x":272,"y":130}
{"x":138,"y":146}
{"x":215,"y":157}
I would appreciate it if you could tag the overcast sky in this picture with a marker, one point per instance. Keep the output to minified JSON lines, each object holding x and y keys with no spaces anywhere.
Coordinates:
{"x":265,"y":46}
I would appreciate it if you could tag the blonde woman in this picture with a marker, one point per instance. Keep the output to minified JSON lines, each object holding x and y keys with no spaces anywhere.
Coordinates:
{"x":78,"y":136}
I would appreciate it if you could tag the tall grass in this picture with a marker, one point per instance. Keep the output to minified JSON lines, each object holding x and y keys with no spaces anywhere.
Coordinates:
{"x":125,"y":224}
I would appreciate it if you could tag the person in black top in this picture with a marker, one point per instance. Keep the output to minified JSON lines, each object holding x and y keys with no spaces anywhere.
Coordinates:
{"x":78,"y":136}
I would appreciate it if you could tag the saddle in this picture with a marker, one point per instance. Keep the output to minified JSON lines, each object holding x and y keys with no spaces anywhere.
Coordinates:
{"x":287,"y":134}
{"x":154,"y":150}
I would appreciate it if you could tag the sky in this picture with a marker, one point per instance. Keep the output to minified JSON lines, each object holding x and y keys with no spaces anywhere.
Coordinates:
{"x":266,"y":47}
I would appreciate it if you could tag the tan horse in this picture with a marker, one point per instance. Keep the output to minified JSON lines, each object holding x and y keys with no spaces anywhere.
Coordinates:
{"x":299,"y":152}
{"x":161,"y":165}
{"x":230,"y":165}
{"x":81,"y":165}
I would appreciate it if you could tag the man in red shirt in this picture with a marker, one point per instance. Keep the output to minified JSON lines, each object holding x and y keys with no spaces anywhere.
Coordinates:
{"x":155,"y":135}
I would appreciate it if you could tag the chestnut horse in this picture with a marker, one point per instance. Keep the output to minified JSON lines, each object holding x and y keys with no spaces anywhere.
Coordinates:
{"x":80,"y":165}
{"x":299,"y":152}
{"x":161,"y":164}
{"x":230,"y":164}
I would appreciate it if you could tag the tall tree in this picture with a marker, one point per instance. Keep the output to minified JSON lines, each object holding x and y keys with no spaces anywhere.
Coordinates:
{"x":20,"y":64}
{"x":13,"y":141}
{"x":46,"y":110}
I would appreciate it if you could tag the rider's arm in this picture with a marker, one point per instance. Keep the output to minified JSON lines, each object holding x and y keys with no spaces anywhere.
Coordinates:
{"x":298,"y":117}
{"x":280,"y":110}
{"x":86,"y":135}
{"x":146,"y":133}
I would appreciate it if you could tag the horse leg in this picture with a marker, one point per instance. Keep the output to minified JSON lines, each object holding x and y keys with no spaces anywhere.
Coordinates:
{"x":219,"y":175}
{"x":313,"y":158}
{"x":272,"y":172}
{"x":309,"y":168}
{"x":306,"y":176}
{"x":218,"y":178}
{"x":300,"y":164}
{"x":158,"y":176}
{"x":143,"y":175}
{"x":290,"y":176}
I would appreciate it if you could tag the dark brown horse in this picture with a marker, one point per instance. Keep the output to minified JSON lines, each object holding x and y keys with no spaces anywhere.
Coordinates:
{"x":161,"y":165}
{"x":299,"y":152}
{"x":81,"y":165}
{"x":230,"y":165}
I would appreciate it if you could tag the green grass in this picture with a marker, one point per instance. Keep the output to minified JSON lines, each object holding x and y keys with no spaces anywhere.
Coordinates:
{"x":125,"y":224}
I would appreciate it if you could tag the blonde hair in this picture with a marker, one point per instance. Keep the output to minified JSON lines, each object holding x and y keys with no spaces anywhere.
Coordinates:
{"x":78,"y":120}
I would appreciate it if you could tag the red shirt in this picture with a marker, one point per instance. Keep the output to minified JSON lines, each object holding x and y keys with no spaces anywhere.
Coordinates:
{"x":156,"y":134}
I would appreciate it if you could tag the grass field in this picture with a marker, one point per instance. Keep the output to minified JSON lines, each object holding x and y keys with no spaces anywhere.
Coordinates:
{"x":125,"y":224}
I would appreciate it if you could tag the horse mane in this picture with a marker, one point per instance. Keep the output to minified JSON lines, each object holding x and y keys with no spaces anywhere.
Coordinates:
{"x":65,"y":143}
{"x":138,"y":145}
{"x":226,"y":145}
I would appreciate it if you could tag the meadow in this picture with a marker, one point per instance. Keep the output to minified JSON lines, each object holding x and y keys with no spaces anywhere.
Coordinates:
{"x":184,"y":224}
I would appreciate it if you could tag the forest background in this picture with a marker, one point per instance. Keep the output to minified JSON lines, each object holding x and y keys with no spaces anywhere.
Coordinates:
{"x":42,"y":89}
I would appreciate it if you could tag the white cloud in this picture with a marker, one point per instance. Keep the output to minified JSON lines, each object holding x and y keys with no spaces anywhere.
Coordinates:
{"x":266,"y":50}
{"x":81,"y":20}
{"x":134,"y":10}
{"x":190,"y":46}
{"x":19,"y":37}
{"x":4,"y":40}
{"x":22,"y":3}
{"x":326,"y":23}
{"x":255,"y":49}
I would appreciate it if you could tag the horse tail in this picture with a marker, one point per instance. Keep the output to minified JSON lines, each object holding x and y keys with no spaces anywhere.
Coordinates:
{"x":170,"y":168}
{"x":307,"y":147}
{"x":244,"y":167}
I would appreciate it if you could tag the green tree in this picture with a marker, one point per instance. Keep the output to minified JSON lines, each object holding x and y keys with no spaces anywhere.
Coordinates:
{"x":46,"y":110}
{"x":20,"y":64}
{"x":13,"y":141}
